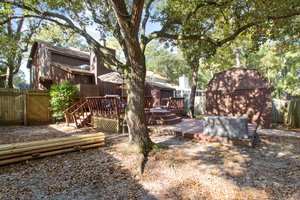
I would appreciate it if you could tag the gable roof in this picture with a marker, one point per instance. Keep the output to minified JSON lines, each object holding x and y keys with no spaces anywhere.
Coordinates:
{"x":56,"y":49}
{"x":237,"y":79}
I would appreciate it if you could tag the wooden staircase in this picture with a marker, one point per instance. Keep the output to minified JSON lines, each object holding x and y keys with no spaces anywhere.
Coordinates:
{"x":78,"y":114}
{"x":162,"y":116}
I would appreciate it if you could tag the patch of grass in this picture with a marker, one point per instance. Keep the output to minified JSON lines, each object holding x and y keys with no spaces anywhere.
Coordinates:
{"x":199,"y":116}
{"x":156,"y":146}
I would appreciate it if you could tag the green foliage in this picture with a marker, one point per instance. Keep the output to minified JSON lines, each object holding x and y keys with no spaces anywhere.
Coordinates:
{"x":16,"y":32}
{"x":19,"y":81}
{"x":62,"y":96}
{"x":162,"y":61}
{"x":60,"y":36}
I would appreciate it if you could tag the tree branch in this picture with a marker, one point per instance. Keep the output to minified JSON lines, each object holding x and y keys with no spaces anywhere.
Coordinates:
{"x":104,"y":53}
{"x":216,"y":42}
{"x":249,"y":25}
{"x":136,"y":14}
{"x":143,"y":26}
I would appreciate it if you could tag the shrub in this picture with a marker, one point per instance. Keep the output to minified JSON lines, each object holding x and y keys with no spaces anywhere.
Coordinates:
{"x":62,"y":96}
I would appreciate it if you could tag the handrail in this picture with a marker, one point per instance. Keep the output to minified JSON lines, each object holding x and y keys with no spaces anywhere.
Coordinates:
{"x":81,"y":115}
{"x":68,"y":112}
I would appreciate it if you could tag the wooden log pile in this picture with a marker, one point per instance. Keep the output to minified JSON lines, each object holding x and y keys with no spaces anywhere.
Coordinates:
{"x":11,"y":153}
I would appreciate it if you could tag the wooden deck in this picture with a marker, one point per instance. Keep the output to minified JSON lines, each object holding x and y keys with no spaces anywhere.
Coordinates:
{"x":191,"y":128}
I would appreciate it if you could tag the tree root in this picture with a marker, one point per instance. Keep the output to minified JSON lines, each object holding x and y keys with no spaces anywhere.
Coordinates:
{"x":142,"y":153}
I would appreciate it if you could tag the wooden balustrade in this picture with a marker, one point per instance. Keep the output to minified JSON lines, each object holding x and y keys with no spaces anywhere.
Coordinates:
{"x":82,"y":115}
{"x":176,"y":103}
{"x":108,"y":107}
{"x":68,"y":112}
{"x":111,"y":107}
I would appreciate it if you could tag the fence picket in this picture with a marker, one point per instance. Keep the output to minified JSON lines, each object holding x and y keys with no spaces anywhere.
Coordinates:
{"x":24,"y":106}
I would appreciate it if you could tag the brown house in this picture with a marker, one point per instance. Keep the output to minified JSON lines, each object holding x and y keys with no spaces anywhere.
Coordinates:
{"x":51,"y":64}
{"x":237,"y":92}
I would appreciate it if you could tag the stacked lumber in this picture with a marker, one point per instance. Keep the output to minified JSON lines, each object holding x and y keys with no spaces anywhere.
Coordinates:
{"x":10,"y":153}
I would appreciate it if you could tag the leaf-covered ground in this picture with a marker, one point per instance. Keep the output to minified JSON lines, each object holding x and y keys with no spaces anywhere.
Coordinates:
{"x":189,"y":169}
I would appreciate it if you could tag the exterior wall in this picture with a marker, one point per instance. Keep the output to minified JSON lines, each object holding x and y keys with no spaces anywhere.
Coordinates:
{"x":109,"y":88}
{"x":34,"y":71}
{"x":237,"y":92}
{"x":58,"y":75}
{"x":88,"y":90}
{"x":256,"y":104}
{"x":63,"y":59}
{"x":164,"y":93}
{"x":97,"y":67}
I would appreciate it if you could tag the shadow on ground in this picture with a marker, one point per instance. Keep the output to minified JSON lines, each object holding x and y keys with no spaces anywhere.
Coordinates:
{"x":270,"y":171}
{"x":90,"y":174}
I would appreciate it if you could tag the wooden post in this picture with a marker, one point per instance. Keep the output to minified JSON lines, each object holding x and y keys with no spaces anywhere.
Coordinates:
{"x":25,"y":108}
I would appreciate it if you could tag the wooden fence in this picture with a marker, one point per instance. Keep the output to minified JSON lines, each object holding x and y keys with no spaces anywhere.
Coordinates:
{"x":24,"y":107}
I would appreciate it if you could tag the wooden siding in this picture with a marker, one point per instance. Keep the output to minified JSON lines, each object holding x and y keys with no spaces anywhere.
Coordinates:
{"x":237,"y":92}
{"x":60,"y":75}
{"x":109,"y":88}
{"x":63,"y":59}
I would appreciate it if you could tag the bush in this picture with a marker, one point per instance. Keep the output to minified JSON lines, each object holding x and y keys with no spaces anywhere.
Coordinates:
{"x":62,"y":96}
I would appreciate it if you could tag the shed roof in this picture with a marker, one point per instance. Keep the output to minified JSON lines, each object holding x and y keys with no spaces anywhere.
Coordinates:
{"x":56,"y":49}
{"x":237,"y":79}
{"x":161,"y":86}
{"x":71,"y":69}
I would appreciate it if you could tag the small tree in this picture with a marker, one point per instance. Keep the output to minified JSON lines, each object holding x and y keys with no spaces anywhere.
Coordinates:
{"x":62,"y":96}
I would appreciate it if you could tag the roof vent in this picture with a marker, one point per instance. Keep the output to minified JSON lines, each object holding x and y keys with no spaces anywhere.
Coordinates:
{"x":84,"y":66}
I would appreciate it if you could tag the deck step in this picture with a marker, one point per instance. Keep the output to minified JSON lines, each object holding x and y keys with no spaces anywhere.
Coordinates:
{"x":159,"y":117}
{"x":162,"y":116}
{"x":165,"y":121}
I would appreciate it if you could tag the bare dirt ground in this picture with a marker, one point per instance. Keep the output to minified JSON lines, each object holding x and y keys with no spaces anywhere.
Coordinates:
{"x":188,"y":169}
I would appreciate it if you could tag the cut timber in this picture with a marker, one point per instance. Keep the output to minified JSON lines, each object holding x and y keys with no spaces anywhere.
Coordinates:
{"x":58,"y":143}
{"x":76,"y":144}
{"x":18,"y":159}
{"x":10,"y":153}
{"x":48,"y":141}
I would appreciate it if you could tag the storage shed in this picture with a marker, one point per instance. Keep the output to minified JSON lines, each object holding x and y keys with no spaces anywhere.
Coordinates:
{"x":238,"y":92}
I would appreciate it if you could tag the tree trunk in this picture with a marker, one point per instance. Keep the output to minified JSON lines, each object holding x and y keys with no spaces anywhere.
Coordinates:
{"x":136,"y":118}
{"x":193,"y":89}
{"x":9,"y":77}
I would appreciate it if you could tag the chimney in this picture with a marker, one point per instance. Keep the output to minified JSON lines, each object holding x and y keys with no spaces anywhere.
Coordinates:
{"x":97,"y":67}
{"x":237,"y":52}
{"x":94,"y":66}
{"x":184,"y":82}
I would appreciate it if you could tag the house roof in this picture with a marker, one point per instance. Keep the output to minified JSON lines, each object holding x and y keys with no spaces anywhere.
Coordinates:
{"x":166,"y":86}
{"x":237,"y":79}
{"x":152,"y":74}
{"x":71,"y":69}
{"x":56,"y":49}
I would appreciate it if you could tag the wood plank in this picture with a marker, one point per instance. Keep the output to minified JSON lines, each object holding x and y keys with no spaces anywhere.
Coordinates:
{"x":4,"y":147}
{"x":41,"y":150}
{"x":23,"y":158}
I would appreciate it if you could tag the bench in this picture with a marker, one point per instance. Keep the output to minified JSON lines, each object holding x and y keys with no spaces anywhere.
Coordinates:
{"x":227,"y":126}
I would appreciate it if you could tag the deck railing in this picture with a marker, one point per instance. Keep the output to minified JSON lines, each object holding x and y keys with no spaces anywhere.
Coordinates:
{"x":82,"y":115}
{"x":68,"y":112}
{"x":108,"y":107}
